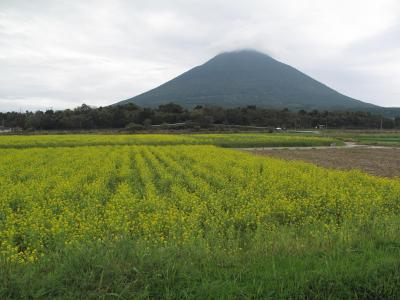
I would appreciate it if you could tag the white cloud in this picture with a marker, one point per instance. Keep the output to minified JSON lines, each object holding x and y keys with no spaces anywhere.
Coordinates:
{"x":62,"y":53}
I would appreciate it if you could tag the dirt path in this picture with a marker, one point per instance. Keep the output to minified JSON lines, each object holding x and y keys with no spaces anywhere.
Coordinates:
{"x":379,"y":161}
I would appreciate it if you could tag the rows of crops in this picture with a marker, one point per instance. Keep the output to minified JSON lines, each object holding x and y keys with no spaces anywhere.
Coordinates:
{"x":51,"y":198}
{"x":224,"y":140}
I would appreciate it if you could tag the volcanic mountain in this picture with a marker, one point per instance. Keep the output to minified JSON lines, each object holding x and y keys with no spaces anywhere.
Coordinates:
{"x":247,"y":77}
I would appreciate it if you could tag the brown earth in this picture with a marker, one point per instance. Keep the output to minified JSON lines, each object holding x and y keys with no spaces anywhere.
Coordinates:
{"x":380,"y":162}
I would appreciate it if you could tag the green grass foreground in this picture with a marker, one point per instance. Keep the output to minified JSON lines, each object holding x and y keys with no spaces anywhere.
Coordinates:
{"x":356,"y":262}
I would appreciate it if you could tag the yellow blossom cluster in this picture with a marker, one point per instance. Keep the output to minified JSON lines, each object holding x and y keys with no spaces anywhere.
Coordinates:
{"x":55,"y":197}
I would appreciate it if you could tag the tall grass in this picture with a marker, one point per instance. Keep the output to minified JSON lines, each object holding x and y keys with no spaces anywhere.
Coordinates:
{"x":356,"y":262}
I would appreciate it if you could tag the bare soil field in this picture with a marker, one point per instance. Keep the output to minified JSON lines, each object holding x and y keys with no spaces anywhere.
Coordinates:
{"x":380,"y":162}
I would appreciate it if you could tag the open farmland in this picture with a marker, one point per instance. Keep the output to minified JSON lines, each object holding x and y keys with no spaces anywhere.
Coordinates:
{"x":192,"y":221}
{"x":223,"y":140}
{"x":375,"y":161}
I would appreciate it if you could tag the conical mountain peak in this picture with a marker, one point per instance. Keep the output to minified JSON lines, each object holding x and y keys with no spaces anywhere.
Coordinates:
{"x":246,"y":77}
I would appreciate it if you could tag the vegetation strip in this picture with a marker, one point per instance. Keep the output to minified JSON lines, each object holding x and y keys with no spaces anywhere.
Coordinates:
{"x":223,"y":140}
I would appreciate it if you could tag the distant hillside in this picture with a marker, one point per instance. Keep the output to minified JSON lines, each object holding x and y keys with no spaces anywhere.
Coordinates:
{"x":244,"y":78}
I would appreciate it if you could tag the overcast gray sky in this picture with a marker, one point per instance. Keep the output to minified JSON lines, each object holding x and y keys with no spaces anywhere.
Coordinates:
{"x":60,"y":53}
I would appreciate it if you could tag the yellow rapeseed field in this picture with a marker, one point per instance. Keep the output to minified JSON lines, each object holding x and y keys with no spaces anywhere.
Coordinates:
{"x":56,"y":197}
{"x":225,"y":140}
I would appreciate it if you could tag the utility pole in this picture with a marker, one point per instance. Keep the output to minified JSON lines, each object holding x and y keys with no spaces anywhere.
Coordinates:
{"x":381,"y":123}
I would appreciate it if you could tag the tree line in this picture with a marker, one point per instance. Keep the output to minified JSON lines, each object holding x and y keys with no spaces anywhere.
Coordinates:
{"x":133,"y":117}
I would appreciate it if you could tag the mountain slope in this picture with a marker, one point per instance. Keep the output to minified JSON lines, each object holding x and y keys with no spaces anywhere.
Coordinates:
{"x":244,"y":78}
